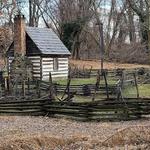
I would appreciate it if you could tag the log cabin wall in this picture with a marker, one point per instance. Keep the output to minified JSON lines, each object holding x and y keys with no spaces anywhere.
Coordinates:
{"x":43,"y":66}
{"x":48,"y":66}
{"x":36,"y":62}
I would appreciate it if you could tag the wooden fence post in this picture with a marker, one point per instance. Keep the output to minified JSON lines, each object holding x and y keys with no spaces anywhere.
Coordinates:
{"x":67,"y":89}
{"x":9,"y":85}
{"x":23,"y":88}
{"x":136,"y":85}
{"x":90,"y":72}
{"x":6,"y":86}
{"x":120,"y":86}
{"x":38,"y":90}
{"x":96,"y":85}
{"x":106,"y":84}
{"x":28,"y":85}
{"x":51,"y":88}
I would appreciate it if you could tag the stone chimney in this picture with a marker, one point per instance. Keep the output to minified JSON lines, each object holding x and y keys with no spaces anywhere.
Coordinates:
{"x":19,"y":35}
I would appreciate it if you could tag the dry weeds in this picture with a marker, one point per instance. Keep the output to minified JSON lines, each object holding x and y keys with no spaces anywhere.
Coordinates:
{"x":43,"y":133}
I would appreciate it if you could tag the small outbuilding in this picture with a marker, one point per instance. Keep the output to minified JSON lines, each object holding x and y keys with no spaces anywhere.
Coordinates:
{"x":42,"y":47}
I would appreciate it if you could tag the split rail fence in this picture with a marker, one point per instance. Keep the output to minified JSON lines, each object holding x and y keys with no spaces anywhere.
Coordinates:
{"x":99,"y":110}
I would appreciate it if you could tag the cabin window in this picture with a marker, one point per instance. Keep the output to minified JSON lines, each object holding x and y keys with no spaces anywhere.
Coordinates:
{"x":55,"y":64}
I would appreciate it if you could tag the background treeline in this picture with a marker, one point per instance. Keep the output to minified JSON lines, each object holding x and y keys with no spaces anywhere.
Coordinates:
{"x":76,"y":22}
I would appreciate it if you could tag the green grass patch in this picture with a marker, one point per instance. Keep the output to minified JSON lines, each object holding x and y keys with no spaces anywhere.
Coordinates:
{"x":144,"y":91}
{"x":81,"y":81}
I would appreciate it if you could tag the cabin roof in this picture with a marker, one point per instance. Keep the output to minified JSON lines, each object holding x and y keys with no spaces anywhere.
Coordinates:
{"x":47,"y":41}
{"x":42,"y":41}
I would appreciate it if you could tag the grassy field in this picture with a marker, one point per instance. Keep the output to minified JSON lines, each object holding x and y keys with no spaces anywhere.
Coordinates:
{"x":128,"y":92}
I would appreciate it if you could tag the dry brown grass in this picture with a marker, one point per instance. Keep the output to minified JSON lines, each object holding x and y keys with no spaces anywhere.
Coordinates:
{"x":137,"y":135}
{"x":45,"y":142}
{"x":36,"y":133}
{"x":133,"y":138}
{"x":107,"y":65}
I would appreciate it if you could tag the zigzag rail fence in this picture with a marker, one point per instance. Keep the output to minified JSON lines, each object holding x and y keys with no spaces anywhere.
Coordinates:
{"x":99,"y":110}
{"x":88,"y":73}
{"x":107,"y":109}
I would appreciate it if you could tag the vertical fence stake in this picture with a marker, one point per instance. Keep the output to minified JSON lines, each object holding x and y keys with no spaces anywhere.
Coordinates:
{"x":9,"y":85}
{"x":120,"y":87}
{"x":51,"y":88}
{"x":28,"y":85}
{"x":106,"y":84}
{"x":5,"y":80}
{"x":23,"y":88}
{"x":136,"y":85}
{"x":38,"y":90}
{"x":96,"y":85}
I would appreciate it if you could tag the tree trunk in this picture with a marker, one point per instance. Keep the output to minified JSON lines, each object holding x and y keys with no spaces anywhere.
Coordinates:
{"x":132,"y":34}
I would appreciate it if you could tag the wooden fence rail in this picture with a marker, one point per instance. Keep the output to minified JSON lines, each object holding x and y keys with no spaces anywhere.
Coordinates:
{"x":79,"y":89}
{"x":98,"y":110}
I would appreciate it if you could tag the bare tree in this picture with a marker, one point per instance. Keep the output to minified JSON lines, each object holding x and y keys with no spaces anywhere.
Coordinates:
{"x":34,"y":12}
{"x":140,"y":7}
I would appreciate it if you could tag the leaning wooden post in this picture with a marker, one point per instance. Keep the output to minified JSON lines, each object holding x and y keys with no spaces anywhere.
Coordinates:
{"x":136,"y":85}
{"x":67,"y":89}
{"x":51,"y":90}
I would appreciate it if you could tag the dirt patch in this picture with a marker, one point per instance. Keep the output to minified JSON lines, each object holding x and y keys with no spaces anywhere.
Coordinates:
{"x":107,"y":65}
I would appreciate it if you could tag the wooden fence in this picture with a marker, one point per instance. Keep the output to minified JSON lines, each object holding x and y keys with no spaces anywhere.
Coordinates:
{"x":143,"y":74}
{"x":79,"y":89}
{"x":99,"y":110}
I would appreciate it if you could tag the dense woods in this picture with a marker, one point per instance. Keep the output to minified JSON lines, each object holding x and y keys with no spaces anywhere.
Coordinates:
{"x":86,"y":27}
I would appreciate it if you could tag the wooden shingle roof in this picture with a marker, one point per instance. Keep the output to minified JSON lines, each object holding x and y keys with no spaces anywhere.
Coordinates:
{"x":42,"y":41}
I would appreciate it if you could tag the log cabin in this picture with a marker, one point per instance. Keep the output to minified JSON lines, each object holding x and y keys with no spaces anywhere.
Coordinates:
{"x":42,"y":47}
